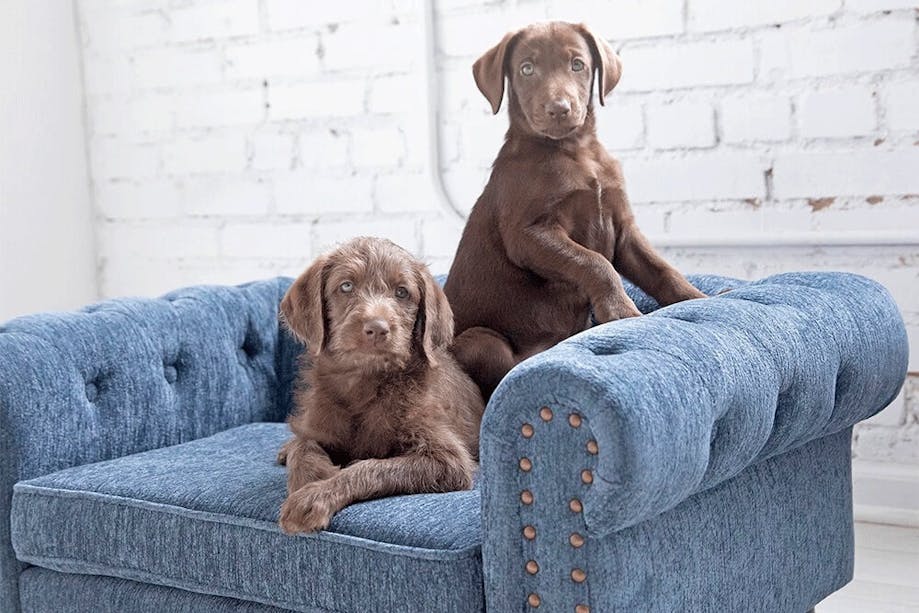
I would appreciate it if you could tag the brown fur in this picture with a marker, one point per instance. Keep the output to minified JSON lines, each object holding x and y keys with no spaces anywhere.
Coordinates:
{"x":553,"y":229}
{"x":377,"y":414}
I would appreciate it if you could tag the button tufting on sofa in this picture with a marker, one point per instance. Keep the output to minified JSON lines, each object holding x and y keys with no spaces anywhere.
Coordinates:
{"x":170,"y":373}
{"x":92,"y":390}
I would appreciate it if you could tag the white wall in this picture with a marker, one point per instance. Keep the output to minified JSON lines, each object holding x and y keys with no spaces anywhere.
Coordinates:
{"x":47,"y":255}
{"x":234,"y":140}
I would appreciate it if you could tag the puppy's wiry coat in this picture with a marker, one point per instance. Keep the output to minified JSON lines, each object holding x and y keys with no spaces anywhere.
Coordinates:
{"x":384,"y":409}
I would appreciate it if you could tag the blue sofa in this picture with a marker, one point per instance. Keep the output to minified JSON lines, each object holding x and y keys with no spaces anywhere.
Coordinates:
{"x":696,"y":459}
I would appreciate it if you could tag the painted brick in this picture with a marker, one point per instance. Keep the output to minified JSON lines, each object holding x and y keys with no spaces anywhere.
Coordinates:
{"x":705,"y":15}
{"x":400,"y":231}
{"x":903,"y":106}
{"x":472,"y":34}
{"x":398,"y":193}
{"x":837,"y":113}
{"x":347,"y":47}
{"x":121,"y":116}
{"x":623,"y":19}
{"x":214,"y":20}
{"x":292,"y":58}
{"x":875,"y":219}
{"x":714,"y":176}
{"x":701,"y":222}
{"x":879,"y":5}
{"x":105,"y":75}
{"x":377,"y":147}
{"x":323,"y":148}
{"x":271,"y":151}
{"x":682,"y":124}
{"x":398,"y":94}
{"x":321,"y":99}
{"x":157,"y":240}
{"x":305,"y":194}
{"x":225,"y":108}
{"x":292,"y":14}
{"x":114,"y":31}
{"x":669,"y":66}
{"x":266,"y":240}
{"x":177,"y":67}
{"x":441,"y":236}
{"x":621,"y":125}
{"x":205,"y":154}
{"x":464,"y":184}
{"x":219,"y":196}
{"x":864,"y":47}
{"x":481,"y":139}
{"x":114,"y":159}
{"x":856,"y":172}
{"x":755,"y":117}
{"x":153,"y":199}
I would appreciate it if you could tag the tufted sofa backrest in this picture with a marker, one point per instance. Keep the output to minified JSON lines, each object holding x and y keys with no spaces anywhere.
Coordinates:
{"x":127,"y":375}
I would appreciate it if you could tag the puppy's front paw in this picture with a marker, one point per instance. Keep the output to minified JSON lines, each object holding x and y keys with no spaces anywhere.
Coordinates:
{"x":309,"y":509}
{"x":611,"y":310}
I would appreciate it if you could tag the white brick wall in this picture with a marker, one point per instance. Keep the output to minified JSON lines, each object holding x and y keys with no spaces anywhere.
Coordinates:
{"x":234,"y":140}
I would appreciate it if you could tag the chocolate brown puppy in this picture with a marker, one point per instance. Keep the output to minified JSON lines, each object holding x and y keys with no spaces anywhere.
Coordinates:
{"x":553,"y":230}
{"x":383,"y":408}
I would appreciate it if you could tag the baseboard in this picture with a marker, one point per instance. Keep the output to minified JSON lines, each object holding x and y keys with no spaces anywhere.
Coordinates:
{"x":886,"y":493}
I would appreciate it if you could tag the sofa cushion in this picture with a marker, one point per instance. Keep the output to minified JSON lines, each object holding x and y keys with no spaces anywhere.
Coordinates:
{"x":201,"y":516}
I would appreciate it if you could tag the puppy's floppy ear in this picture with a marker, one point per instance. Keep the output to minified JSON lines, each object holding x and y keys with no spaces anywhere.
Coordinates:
{"x":434,"y":321}
{"x":303,"y":306}
{"x":607,"y":64}
{"x":488,"y":71}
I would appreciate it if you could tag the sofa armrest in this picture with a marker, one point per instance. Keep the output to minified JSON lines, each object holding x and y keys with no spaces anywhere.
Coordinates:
{"x":625,"y":421}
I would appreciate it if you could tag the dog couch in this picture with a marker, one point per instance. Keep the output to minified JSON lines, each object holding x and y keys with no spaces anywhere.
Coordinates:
{"x":694,"y":459}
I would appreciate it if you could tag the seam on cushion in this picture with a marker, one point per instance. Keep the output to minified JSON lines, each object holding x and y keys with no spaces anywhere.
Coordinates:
{"x":21,"y":489}
{"x":82,"y":567}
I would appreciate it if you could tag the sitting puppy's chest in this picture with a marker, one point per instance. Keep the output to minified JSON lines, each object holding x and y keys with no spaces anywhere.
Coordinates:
{"x":585,"y":207}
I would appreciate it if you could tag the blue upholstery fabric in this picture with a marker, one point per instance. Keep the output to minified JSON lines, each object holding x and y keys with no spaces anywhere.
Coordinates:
{"x":202,"y":516}
{"x":722,"y":427}
{"x":47,"y":591}
{"x":678,"y":402}
{"x":127,"y":375}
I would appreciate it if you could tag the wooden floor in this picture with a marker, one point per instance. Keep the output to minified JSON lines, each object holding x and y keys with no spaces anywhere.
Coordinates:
{"x":886,"y":573}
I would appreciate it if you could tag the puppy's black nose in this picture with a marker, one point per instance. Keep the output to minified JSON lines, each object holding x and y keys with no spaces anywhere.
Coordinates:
{"x":558,"y":109}
{"x":376,"y":329}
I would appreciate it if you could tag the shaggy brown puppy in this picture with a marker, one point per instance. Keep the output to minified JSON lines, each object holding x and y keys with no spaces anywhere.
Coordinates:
{"x":384,"y":409}
{"x":552,"y":231}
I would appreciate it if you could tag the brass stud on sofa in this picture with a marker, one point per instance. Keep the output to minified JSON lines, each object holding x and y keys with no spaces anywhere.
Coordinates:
{"x":532,"y":567}
{"x":534,"y":600}
{"x":578,"y":575}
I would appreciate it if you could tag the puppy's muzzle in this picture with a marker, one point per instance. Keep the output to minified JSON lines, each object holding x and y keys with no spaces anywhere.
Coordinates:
{"x":558,"y":109}
{"x":376,"y":331}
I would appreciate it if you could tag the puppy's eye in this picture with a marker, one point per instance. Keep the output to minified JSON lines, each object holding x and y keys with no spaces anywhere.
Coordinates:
{"x":526,"y":69}
{"x":401,"y":293}
{"x":577,"y":65}
{"x":346,"y":287}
